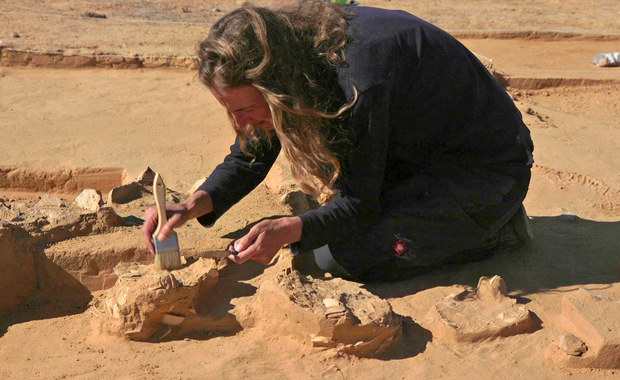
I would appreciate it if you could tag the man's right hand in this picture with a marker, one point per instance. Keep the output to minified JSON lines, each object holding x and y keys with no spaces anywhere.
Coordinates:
{"x":178,"y":214}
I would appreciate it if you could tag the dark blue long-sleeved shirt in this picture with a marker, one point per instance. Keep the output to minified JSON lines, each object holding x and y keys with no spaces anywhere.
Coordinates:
{"x":425,"y":105}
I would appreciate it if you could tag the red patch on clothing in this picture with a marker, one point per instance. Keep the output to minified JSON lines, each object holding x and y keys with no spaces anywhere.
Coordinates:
{"x":400,"y":247}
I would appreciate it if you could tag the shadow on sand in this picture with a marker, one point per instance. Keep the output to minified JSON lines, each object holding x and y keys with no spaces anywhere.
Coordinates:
{"x":58,"y":294}
{"x":564,"y":252}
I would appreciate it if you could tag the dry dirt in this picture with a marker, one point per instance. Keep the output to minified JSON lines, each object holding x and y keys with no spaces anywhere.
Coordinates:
{"x":91,"y":102}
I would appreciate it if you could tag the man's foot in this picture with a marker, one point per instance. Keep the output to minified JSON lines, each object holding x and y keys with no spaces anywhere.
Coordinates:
{"x":513,"y":235}
{"x":516,"y":231}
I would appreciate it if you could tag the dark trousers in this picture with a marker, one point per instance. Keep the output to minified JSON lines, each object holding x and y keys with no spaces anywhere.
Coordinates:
{"x":423,"y":225}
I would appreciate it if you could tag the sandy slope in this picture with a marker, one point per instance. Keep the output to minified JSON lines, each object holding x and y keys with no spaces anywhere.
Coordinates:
{"x":58,"y":118}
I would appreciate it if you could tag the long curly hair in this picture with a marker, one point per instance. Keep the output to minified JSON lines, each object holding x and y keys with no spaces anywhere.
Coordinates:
{"x":290,"y":55}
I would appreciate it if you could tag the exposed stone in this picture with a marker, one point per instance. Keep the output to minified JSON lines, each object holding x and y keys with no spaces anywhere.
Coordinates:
{"x":18,"y":279}
{"x":146,"y":177}
{"x":50,"y":201}
{"x":67,"y":224}
{"x":146,"y":304}
{"x":332,"y":313}
{"x":89,"y":199}
{"x":572,"y":345}
{"x":51,"y":224}
{"x":595,"y":319}
{"x":196,"y":185}
{"x":126,"y":193}
{"x":478,"y":314}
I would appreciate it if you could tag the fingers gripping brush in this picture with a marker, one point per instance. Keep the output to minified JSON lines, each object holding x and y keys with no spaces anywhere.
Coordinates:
{"x":167,"y":255}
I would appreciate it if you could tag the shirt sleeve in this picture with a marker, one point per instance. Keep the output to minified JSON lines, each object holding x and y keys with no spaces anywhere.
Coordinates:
{"x":361,"y":179}
{"x":238,"y":175}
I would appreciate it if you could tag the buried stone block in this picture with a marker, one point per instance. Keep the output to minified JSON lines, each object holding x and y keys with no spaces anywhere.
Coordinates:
{"x":92,"y":263}
{"x":331,"y":313}
{"x":478,"y":314}
{"x":126,"y":193}
{"x":592,"y":332}
{"x":146,"y":304}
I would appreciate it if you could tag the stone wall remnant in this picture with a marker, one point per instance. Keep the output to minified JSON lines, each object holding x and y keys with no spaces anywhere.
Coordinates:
{"x":146,"y":304}
{"x":329,"y":312}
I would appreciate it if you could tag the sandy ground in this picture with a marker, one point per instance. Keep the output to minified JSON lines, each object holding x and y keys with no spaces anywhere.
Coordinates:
{"x":58,"y":117}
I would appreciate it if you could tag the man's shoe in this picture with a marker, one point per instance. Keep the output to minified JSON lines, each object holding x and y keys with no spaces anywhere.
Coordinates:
{"x":521,"y":224}
{"x":516,"y":231}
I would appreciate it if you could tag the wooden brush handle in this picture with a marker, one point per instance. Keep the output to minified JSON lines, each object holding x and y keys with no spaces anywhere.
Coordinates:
{"x":159,"y":192}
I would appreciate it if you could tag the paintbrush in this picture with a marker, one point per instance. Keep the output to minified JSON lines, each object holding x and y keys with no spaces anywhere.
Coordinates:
{"x":167,"y":254}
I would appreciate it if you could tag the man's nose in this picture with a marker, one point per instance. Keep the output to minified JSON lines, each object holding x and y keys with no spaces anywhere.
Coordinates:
{"x":240,"y":121}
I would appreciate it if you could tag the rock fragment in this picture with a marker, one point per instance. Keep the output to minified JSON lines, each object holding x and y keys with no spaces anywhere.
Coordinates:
{"x":146,"y":177}
{"x":89,"y":199}
{"x":478,"y":314}
{"x":572,"y":345}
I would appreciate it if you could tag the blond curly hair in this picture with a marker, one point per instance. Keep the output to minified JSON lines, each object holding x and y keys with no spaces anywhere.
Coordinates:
{"x":290,"y":55}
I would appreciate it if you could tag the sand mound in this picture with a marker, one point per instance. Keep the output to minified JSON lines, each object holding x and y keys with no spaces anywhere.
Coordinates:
{"x":482,"y":313}
{"x":591,"y":337}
